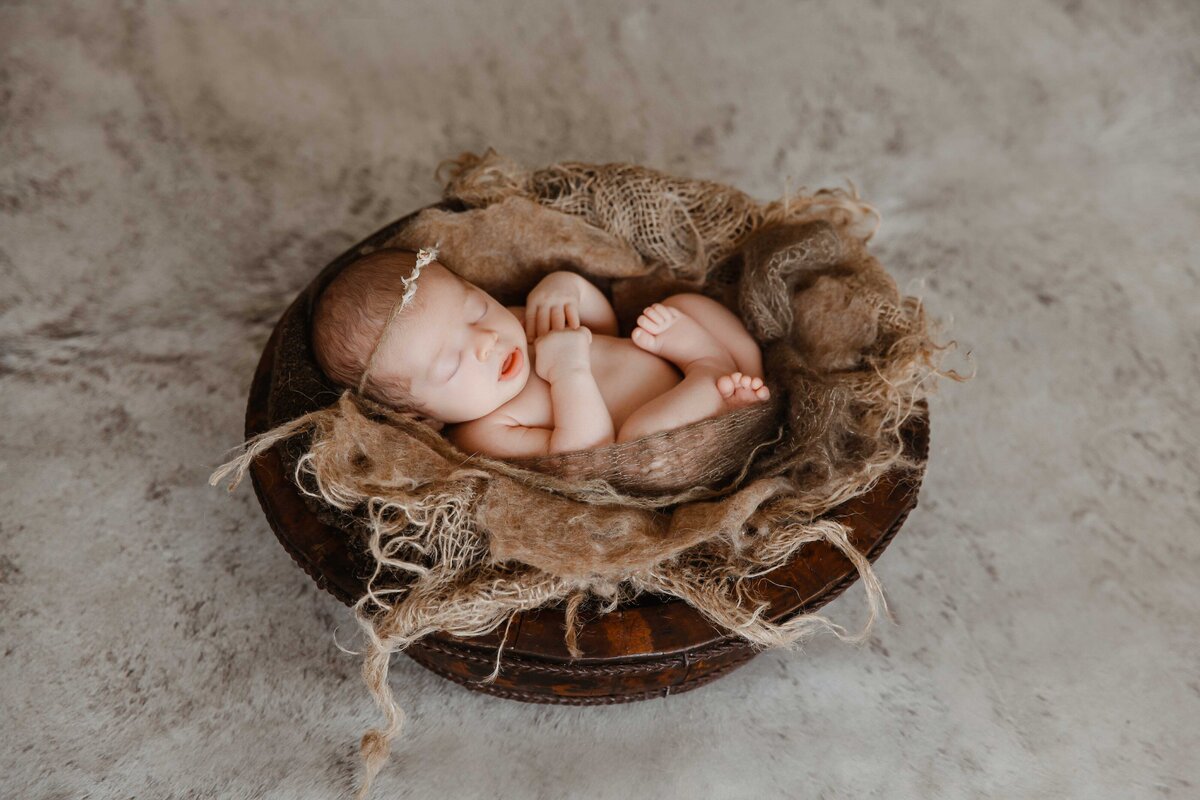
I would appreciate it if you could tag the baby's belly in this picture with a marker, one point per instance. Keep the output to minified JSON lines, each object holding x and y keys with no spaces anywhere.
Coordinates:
{"x":628,"y":377}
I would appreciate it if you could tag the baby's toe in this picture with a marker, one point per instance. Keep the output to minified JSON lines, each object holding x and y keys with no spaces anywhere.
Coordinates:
{"x":651,"y":320}
{"x":763,"y":393}
{"x":756,"y":383}
{"x":725,"y":386}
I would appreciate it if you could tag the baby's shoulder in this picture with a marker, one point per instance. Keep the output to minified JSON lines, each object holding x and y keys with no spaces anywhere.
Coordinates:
{"x":468,"y":433}
{"x":530,"y":408}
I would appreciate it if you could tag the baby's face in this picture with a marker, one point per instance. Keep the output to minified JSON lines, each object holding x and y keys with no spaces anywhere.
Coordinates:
{"x":464,"y":353}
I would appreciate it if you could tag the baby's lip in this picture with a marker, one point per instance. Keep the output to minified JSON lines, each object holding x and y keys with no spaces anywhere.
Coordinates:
{"x":517,"y":363}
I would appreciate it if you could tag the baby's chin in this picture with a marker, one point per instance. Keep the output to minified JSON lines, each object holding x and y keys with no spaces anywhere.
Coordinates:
{"x":519,"y":382}
{"x":513,"y":388}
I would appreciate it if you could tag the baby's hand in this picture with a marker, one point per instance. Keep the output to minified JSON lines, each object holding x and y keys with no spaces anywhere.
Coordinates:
{"x":559,"y":353}
{"x":553,"y":305}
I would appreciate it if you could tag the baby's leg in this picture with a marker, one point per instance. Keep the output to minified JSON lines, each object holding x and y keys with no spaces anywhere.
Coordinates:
{"x":661,"y":331}
{"x":670,"y":332}
{"x":687,"y":327}
{"x":724,"y":326}
{"x":707,"y":390}
{"x":695,"y":397}
{"x":712,"y":384}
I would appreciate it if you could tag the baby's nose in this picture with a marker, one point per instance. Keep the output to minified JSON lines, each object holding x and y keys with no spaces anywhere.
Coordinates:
{"x":488,"y":343}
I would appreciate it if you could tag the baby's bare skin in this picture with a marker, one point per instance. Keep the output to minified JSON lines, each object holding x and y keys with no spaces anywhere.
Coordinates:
{"x":689,"y":359}
{"x":549,"y":377}
{"x":702,"y":338}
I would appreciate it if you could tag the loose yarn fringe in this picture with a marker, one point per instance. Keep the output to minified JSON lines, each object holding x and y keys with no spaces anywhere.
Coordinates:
{"x":471,"y":611}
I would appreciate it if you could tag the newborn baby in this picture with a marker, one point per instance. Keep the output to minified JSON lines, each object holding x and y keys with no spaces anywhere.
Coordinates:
{"x":548,"y":377}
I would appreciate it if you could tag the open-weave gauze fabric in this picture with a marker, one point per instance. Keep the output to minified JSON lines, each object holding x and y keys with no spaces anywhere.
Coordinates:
{"x":461,"y":542}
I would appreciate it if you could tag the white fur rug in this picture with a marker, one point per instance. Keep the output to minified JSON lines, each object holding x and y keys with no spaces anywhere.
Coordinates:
{"x":171,"y":174}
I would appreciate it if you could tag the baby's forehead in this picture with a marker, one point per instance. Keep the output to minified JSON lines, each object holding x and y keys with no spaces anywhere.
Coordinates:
{"x":460,"y":291}
{"x":442,"y":289}
{"x":436,"y":287}
{"x":422,"y":331}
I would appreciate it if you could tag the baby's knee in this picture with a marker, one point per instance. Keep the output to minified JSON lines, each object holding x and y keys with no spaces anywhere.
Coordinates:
{"x":705,"y":310}
{"x":685,"y":300}
{"x":724,"y":325}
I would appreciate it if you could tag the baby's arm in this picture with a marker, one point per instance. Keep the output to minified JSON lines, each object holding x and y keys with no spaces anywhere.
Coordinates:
{"x":565,"y":299}
{"x":581,"y":421}
{"x":581,"y":418}
{"x":595,"y":312}
{"x":500,"y":437}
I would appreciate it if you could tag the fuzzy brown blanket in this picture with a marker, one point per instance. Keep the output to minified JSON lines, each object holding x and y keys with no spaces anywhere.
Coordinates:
{"x":461,"y":542}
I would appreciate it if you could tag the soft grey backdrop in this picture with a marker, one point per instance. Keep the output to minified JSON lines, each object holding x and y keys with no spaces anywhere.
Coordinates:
{"x":171,"y":174}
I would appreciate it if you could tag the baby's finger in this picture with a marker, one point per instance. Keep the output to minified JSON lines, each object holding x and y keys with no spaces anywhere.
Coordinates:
{"x":530,"y":322}
{"x":572,"y":316}
{"x":543,"y":321}
{"x":557,"y":321}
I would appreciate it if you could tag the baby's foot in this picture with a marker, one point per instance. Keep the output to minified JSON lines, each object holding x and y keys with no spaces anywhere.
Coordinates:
{"x":674,"y":335}
{"x":741,"y":390}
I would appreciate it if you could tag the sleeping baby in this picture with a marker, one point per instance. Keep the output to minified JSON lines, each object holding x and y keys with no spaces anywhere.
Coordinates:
{"x":548,"y":377}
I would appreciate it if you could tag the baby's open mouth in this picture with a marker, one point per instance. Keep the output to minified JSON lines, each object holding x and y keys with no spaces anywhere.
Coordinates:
{"x":511,"y":365}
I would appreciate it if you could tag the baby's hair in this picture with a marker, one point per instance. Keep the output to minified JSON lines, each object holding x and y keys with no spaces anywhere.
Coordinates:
{"x":350,"y":318}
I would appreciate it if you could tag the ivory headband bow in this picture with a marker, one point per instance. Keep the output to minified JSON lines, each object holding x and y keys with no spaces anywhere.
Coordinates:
{"x":424,"y":256}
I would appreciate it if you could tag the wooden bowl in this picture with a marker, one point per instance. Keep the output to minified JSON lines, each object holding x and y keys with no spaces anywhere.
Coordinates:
{"x":653,"y":647}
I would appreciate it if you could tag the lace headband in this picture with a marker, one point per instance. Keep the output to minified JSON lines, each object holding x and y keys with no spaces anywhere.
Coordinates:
{"x":424,"y":256}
